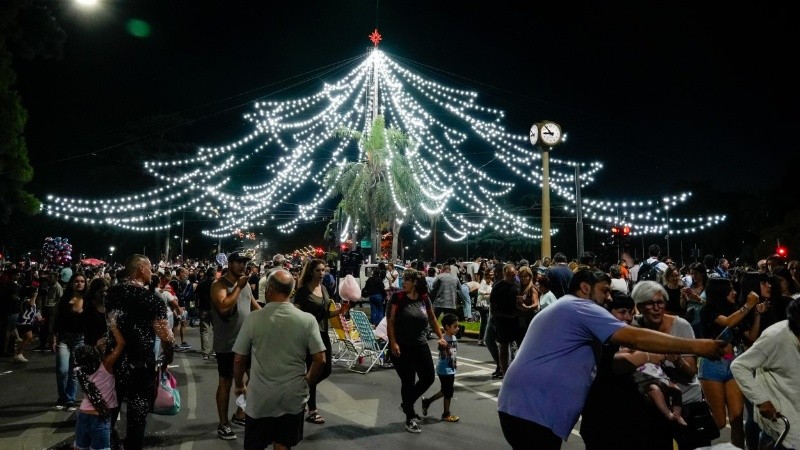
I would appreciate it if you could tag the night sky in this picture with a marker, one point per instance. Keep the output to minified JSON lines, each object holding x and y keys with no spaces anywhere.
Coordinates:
{"x":665,"y":94}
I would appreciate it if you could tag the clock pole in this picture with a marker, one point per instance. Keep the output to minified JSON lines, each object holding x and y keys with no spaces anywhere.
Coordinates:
{"x":549,"y":134}
{"x":545,"y":202}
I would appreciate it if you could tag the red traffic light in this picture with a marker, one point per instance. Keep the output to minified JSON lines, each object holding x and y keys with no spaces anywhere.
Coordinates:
{"x":626,"y":230}
{"x":782,"y":251}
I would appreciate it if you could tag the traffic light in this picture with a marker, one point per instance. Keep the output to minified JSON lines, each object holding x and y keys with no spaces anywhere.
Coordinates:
{"x":782,"y":251}
{"x":626,"y":230}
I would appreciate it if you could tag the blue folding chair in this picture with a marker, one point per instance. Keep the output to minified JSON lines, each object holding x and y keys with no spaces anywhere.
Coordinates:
{"x":369,"y":351}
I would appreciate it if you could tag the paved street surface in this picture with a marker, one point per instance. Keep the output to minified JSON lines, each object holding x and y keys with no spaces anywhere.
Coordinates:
{"x":361,"y":411}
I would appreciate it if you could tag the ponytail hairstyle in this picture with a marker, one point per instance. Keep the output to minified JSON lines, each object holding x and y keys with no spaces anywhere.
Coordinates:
{"x":87,"y":362}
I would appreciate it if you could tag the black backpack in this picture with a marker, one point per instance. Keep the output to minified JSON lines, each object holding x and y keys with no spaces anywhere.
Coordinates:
{"x":649,"y":271}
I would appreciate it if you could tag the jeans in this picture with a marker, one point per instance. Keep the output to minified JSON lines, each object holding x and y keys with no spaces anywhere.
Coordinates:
{"x":484,"y":322}
{"x":490,"y":339}
{"x":206,"y":332}
{"x":66,"y":381}
{"x":467,"y":308}
{"x":376,"y":308}
{"x":719,"y":371}
{"x":92,"y":432}
{"x":157,"y":344}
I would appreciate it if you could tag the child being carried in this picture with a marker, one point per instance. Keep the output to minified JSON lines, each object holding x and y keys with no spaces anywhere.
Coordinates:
{"x":654,"y":384}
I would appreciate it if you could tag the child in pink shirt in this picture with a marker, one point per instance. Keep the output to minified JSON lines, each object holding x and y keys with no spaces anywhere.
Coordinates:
{"x":95,"y":373}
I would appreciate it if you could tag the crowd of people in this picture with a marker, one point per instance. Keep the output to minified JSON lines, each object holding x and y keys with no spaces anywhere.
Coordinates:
{"x":646,"y":343}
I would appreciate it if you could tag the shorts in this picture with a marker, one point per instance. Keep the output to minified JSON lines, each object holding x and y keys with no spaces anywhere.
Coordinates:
{"x":92,"y":432}
{"x":447,"y":382}
{"x":285,"y":430}
{"x":183,"y":317}
{"x":719,"y":371}
{"x":225,"y":364}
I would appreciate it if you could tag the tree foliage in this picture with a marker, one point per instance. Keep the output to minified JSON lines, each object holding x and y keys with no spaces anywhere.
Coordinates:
{"x":366,"y":186}
{"x":28,"y":30}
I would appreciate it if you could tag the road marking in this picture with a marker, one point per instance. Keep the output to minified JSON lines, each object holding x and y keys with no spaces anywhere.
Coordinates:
{"x":191,"y":387}
{"x":340,"y":403}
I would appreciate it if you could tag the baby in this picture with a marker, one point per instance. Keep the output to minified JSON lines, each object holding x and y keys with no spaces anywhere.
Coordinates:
{"x":654,"y":384}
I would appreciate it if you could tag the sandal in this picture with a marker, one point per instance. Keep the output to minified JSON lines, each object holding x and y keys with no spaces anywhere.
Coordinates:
{"x":315,"y":418}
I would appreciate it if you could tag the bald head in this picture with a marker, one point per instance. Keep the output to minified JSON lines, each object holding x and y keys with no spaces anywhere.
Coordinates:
{"x":280,"y":284}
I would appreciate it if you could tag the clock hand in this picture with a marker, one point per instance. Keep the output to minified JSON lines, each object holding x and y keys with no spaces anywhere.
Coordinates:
{"x":548,"y":132}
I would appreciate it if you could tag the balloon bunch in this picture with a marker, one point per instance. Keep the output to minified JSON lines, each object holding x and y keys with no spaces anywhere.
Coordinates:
{"x":56,"y":251}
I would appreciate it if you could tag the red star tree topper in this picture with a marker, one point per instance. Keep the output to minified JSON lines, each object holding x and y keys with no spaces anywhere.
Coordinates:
{"x":375,"y":37}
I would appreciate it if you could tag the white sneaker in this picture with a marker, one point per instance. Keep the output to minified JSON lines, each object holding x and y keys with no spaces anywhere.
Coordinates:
{"x":20,"y":359}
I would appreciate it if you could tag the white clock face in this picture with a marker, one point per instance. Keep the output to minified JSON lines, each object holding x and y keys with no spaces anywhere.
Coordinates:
{"x":550,"y":133}
{"x":534,"y":133}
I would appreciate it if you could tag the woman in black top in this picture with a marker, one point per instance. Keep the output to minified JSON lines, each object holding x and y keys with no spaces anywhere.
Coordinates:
{"x":313,"y":298}
{"x":672,"y":283}
{"x":68,"y":330}
{"x":96,"y":312}
{"x":409,"y":316}
{"x":722,"y":313}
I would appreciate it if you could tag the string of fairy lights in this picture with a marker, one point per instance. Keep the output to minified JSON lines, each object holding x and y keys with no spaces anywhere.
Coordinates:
{"x":454,"y":145}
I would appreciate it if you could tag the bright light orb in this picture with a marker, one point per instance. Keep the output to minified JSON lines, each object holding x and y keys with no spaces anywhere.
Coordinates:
{"x":87,"y":3}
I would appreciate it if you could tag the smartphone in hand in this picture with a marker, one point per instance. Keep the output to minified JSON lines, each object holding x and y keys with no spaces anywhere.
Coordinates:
{"x":726,"y":336}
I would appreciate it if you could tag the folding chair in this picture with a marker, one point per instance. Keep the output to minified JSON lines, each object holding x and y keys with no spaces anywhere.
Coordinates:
{"x":369,"y":351}
{"x":343,"y":337}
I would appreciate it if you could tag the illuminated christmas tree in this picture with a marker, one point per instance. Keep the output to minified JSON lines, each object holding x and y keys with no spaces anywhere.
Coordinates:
{"x":453,"y":144}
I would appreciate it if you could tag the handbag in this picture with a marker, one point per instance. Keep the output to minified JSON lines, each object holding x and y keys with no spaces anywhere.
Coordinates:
{"x":168,"y":399}
{"x":700,"y":423}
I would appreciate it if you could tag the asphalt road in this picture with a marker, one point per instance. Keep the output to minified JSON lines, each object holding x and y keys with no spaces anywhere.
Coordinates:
{"x":361,"y":411}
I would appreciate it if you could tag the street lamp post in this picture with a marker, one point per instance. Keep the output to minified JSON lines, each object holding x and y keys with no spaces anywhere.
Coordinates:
{"x":666,"y":235}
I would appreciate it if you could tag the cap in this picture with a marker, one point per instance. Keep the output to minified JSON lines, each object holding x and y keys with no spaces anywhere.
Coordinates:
{"x":238,"y":256}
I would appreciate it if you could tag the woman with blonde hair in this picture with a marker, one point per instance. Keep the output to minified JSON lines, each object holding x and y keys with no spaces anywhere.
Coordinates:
{"x":527,"y":300}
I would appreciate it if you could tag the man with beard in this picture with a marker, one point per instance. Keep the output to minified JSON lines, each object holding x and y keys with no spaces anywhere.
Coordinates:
{"x":232,"y":300}
{"x":563,"y":339}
